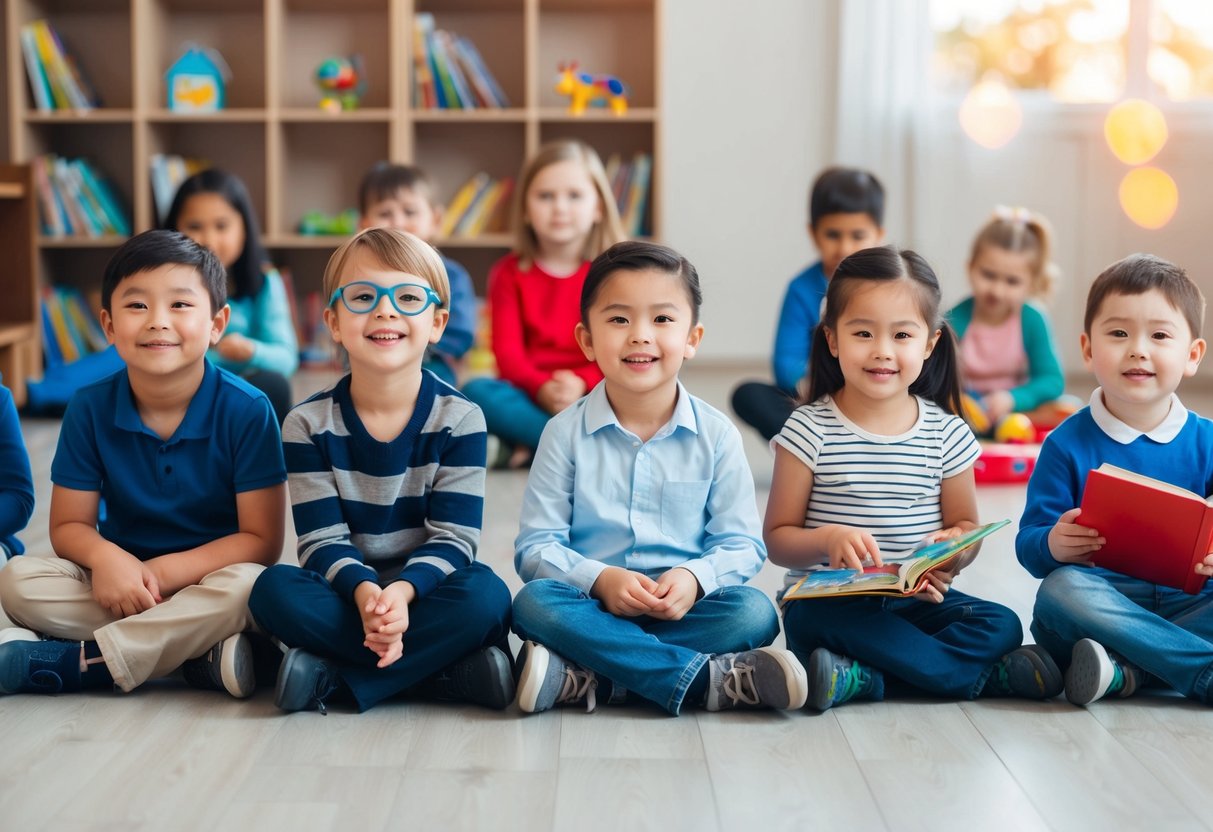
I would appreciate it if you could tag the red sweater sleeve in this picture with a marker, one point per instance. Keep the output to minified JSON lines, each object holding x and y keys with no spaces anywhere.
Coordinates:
{"x":534,"y":316}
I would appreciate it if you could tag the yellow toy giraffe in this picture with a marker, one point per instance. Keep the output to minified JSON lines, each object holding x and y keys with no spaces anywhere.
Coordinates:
{"x":584,"y":88}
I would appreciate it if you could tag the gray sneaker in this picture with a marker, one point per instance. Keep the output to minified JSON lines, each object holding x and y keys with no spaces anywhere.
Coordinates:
{"x":1096,"y":672}
{"x":226,"y":666}
{"x":546,"y":680}
{"x":764,"y":678}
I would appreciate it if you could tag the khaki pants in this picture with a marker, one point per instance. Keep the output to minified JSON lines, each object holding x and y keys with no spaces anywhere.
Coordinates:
{"x":54,"y":596}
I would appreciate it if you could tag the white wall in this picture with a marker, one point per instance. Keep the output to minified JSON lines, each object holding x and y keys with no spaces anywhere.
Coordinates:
{"x":748,"y":121}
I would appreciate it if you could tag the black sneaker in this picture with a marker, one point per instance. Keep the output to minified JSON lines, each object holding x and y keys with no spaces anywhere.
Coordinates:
{"x":38,"y":665}
{"x":227,"y":666}
{"x":482,"y":678}
{"x":305,"y":682}
{"x":1028,"y":672}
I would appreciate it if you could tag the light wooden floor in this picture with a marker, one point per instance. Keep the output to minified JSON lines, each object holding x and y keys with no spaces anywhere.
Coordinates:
{"x":167,"y":757}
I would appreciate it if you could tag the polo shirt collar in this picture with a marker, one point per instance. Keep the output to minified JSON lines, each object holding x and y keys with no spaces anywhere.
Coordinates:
{"x":599,"y":414}
{"x":1125,"y":434}
{"x":197,"y":422}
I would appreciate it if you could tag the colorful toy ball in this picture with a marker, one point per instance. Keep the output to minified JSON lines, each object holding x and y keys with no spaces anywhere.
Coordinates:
{"x":1015,"y":427}
{"x":343,"y":82}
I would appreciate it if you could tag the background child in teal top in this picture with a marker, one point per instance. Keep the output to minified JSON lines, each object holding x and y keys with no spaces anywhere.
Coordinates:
{"x":1008,"y":358}
{"x":213,"y":209}
{"x":846,"y":214}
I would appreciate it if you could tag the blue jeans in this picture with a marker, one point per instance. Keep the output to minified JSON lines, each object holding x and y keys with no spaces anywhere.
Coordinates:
{"x":467,"y":611}
{"x":1164,"y":631}
{"x":653,"y":658}
{"x":947,"y":649}
{"x":509,"y":412}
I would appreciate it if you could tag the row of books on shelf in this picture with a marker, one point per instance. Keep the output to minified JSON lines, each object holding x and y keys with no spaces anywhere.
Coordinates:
{"x":480,"y":206}
{"x":448,"y":71}
{"x":55,"y":78}
{"x":69,"y":328}
{"x":74,"y":199}
{"x":629,"y":180}
{"x":168,"y":172}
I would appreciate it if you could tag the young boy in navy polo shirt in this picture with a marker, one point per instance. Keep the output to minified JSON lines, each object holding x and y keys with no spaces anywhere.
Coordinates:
{"x":16,"y":483}
{"x":188,"y":461}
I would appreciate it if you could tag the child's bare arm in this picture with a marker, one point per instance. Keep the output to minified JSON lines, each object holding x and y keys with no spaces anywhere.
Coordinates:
{"x":789,"y":543}
{"x":261,"y":515}
{"x":122,"y":584}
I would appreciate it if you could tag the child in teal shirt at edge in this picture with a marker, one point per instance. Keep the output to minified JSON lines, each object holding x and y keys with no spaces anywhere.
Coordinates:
{"x":188,"y":460}
{"x":16,"y":483}
{"x":1008,"y":357}
{"x":639,"y":523}
{"x":402,"y":197}
{"x":846,"y":214}
{"x":1113,"y":633}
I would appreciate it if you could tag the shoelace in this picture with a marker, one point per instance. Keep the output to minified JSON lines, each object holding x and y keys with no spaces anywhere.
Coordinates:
{"x":578,"y":685}
{"x":324,"y":689}
{"x":738,"y":684}
{"x":852,"y":680}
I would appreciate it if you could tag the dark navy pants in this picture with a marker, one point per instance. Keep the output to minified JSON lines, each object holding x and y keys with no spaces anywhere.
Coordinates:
{"x":466,"y":612}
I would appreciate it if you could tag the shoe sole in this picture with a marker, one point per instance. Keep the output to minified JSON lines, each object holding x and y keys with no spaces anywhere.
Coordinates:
{"x":821,"y":669}
{"x":1048,"y":677}
{"x":1090,"y":673}
{"x":236,"y":668}
{"x":530,"y":680}
{"x":793,"y":674}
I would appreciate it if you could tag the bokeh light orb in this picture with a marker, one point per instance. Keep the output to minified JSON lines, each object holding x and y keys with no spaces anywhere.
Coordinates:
{"x":990,"y":113}
{"x":1149,"y":197}
{"x":1135,"y":131}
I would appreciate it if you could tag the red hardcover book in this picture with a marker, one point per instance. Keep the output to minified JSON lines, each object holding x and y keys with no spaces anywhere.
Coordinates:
{"x":1155,"y":531}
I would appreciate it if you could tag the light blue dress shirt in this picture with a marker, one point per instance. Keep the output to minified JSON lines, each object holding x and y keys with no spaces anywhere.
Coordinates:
{"x":598,"y":496}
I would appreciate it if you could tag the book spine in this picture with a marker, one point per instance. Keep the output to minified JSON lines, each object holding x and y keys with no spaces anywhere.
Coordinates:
{"x":1195,"y":582}
{"x":498,"y":94}
{"x":50,"y":342}
{"x":115,"y":216}
{"x":46,"y":53}
{"x":463,"y":198}
{"x":39,"y":86}
{"x":469,"y":213}
{"x":446,"y":86}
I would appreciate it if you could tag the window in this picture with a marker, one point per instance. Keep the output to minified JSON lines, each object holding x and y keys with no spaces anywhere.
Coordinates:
{"x":1077,"y":50}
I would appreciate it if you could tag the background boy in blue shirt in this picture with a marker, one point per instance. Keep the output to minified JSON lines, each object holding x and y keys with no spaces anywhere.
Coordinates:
{"x":16,"y":483}
{"x":639,"y":523}
{"x":1141,"y":337}
{"x":846,"y":214}
{"x":188,"y":460}
{"x":402,"y":197}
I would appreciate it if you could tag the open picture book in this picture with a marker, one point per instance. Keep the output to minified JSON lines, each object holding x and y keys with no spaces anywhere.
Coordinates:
{"x":901,"y":578}
{"x":1155,"y":531}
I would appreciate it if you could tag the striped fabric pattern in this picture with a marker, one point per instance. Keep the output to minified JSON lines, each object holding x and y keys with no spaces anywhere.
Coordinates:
{"x":888,"y":485}
{"x":410,"y":509}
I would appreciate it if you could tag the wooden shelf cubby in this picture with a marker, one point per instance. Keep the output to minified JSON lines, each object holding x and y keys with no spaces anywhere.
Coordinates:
{"x":296,"y":158}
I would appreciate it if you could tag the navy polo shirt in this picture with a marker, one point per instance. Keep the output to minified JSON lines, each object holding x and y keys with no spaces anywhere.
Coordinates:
{"x":164,"y":496}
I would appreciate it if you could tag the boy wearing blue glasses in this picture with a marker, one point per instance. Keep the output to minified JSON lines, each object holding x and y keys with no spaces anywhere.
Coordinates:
{"x":386,"y":475}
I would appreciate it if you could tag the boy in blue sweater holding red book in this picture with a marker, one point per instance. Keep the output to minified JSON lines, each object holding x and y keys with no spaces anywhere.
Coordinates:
{"x":1141,"y":337}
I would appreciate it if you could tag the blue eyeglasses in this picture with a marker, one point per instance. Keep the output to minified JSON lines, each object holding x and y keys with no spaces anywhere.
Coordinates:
{"x":361,"y":297}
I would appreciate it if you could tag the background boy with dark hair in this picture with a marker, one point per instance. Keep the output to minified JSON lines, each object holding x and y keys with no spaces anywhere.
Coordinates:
{"x":1141,"y":337}
{"x":846,"y":214}
{"x":188,"y":460}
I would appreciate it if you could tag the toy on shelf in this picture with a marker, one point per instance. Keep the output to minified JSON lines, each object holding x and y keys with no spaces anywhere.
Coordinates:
{"x":318,"y":223}
{"x":585,"y":90}
{"x":342,"y":82}
{"x":197,"y":81}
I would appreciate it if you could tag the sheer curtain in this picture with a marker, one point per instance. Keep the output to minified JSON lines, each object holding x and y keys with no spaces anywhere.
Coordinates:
{"x":884,"y":49}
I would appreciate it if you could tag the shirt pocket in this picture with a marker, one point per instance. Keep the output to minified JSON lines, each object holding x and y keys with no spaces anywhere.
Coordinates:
{"x":682,"y":505}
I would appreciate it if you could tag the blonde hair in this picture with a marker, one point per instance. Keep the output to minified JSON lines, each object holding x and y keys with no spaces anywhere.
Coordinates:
{"x":1022,"y":231}
{"x":396,"y":250}
{"x":605,"y":233}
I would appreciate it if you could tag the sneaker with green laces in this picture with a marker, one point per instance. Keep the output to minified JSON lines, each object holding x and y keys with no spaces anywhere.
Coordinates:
{"x":1028,"y":672}
{"x":1096,"y":672}
{"x":834,"y":679}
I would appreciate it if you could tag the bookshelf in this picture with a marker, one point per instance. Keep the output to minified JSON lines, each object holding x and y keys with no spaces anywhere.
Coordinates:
{"x":295,"y":157}
{"x":20,"y":323}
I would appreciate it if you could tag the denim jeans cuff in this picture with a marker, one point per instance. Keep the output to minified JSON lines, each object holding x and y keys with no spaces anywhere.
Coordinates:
{"x":674,"y":703}
{"x":1203,"y":689}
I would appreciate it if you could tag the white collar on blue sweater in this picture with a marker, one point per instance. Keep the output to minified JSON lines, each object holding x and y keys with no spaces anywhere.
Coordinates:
{"x":1166,"y":430}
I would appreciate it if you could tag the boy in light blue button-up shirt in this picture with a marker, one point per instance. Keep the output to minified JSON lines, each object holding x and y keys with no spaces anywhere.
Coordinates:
{"x":639,"y":523}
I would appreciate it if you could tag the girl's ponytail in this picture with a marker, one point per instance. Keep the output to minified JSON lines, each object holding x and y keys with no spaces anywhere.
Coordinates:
{"x":940,"y":378}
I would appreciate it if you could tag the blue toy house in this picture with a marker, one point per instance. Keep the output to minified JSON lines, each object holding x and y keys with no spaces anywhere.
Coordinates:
{"x":196,"y":81}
